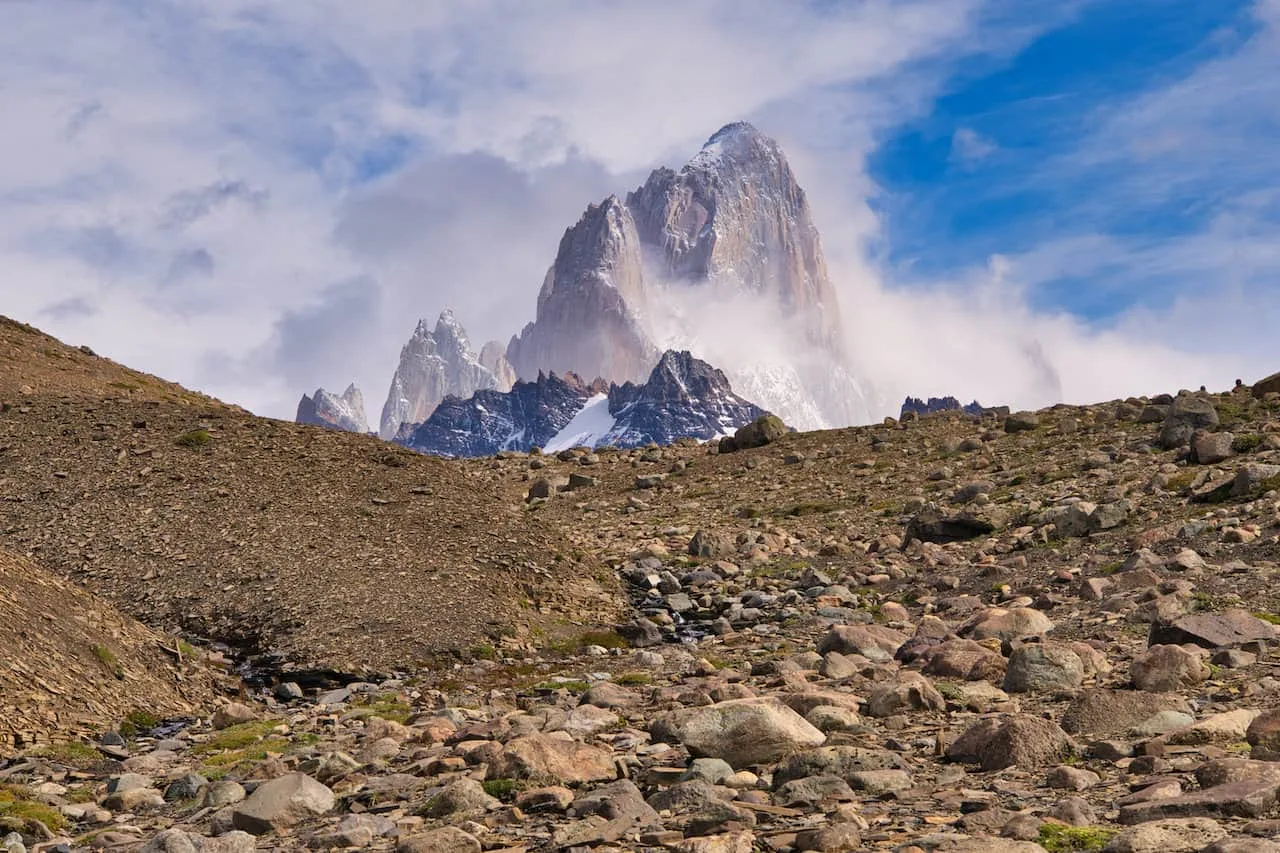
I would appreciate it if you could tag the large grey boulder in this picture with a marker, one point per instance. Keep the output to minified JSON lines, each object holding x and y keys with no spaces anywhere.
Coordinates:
{"x":281,"y":804}
{"x":743,"y":732}
{"x":1187,"y":414}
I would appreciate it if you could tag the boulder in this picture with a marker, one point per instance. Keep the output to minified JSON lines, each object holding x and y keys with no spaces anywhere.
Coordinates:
{"x":1179,"y":835}
{"x":1019,"y":740}
{"x":1270,"y":385}
{"x":448,"y":839}
{"x":281,"y":803}
{"x":1210,"y":448}
{"x":743,"y":732}
{"x":1005,"y":625}
{"x":1037,"y":667}
{"x":1225,"y":628}
{"x":1167,"y":668}
{"x":1187,"y":414}
{"x":765,"y":429}
{"x":547,"y":758}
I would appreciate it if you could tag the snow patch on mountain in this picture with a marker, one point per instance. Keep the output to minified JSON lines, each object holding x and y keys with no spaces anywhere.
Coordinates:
{"x":588,"y":427}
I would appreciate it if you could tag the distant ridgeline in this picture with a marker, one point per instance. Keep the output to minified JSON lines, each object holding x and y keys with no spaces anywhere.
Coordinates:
{"x":938,"y":404}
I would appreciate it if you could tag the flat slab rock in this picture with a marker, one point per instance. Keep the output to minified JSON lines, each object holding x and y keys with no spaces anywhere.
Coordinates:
{"x":1247,"y":798}
{"x":1213,"y":630}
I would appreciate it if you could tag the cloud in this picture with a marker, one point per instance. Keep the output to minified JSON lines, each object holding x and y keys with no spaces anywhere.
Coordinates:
{"x":968,"y":146}
{"x":266,"y":196}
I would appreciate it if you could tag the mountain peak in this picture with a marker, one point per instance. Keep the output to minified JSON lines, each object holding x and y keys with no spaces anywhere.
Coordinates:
{"x":435,"y":363}
{"x":345,"y":412}
{"x":735,"y":130}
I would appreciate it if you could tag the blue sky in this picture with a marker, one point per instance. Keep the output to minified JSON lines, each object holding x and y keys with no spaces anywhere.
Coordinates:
{"x":1021,"y":200}
{"x":996,"y":165}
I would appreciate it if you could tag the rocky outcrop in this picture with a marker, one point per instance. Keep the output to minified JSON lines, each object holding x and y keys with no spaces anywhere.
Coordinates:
{"x":736,"y":219}
{"x":938,"y":404}
{"x":435,"y":363}
{"x":591,"y":306}
{"x":683,"y":398}
{"x":346,"y":412}
{"x":529,"y":415}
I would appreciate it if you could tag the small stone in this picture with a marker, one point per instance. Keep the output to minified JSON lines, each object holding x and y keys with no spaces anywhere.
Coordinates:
{"x":233,"y":714}
{"x":1067,"y":778}
{"x":448,"y":839}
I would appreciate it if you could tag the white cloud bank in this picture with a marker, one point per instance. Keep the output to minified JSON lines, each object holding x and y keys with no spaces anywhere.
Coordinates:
{"x":256,"y":199}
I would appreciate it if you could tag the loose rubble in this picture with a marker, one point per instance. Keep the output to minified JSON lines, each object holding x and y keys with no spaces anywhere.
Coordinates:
{"x":1048,"y":631}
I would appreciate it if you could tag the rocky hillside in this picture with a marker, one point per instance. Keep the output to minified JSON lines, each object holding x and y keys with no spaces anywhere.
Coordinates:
{"x":74,"y":666}
{"x":330,"y":549}
{"x":1034,"y":632}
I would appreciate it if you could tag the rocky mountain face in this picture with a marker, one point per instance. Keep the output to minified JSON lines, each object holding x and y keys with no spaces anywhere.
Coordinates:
{"x":938,"y":404}
{"x":436,"y":363}
{"x":346,"y":412}
{"x":529,"y":415}
{"x":734,"y":218}
{"x":731,"y":227}
{"x":683,"y":397}
{"x":592,"y":303}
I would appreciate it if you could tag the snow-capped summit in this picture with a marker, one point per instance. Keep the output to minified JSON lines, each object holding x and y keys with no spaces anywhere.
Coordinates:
{"x":683,"y":398}
{"x":660,"y":270}
{"x":434,"y":363}
{"x":345,"y":412}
